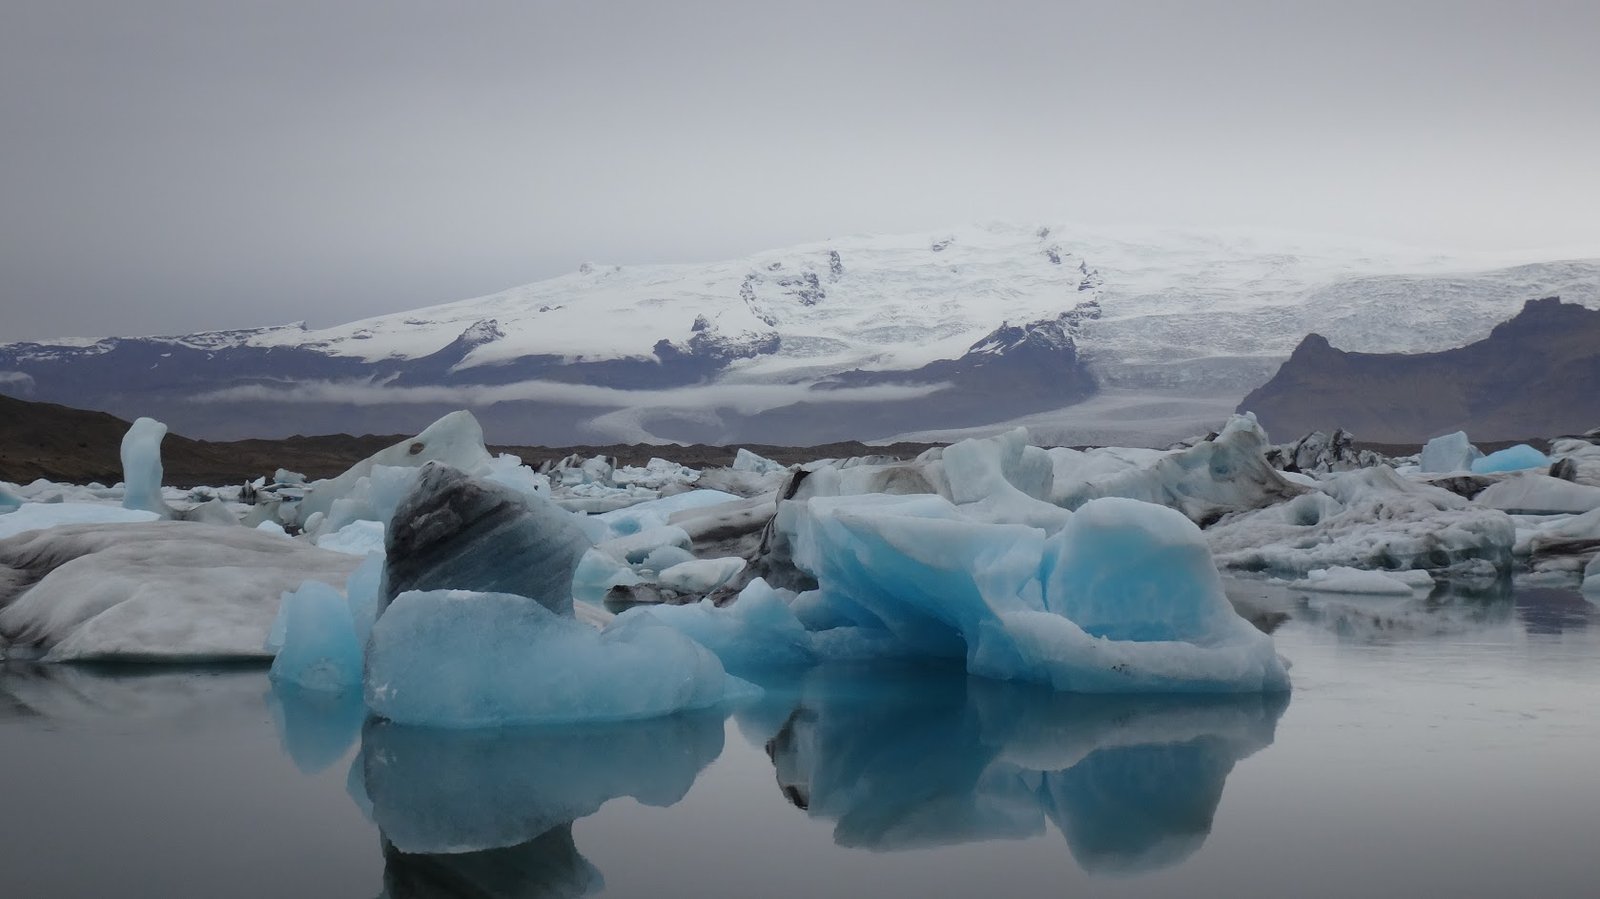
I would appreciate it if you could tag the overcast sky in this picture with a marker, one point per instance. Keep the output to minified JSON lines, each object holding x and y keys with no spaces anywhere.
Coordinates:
{"x":171,"y":166}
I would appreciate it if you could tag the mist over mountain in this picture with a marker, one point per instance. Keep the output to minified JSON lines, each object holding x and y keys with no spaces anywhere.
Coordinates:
{"x":867,"y":337}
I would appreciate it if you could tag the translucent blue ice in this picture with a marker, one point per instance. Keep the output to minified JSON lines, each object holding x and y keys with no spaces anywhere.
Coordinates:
{"x":1514,"y":458}
{"x":758,"y":631}
{"x":1450,"y":452}
{"x":1125,"y":598}
{"x":141,"y":467}
{"x":319,"y":648}
{"x":454,"y":658}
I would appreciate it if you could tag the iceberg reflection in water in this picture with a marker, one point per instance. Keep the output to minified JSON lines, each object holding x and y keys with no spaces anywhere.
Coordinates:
{"x":898,"y":758}
{"x":489,"y":812}
{"x":931,"y":758}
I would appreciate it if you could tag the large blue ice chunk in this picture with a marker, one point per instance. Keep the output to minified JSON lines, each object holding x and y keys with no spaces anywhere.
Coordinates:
{"x":454,"y":658}
{"x":320,"y":650}
{"x":1125,"y":598}
{"x":1512,"y":458}
{"x":1133,"y":603}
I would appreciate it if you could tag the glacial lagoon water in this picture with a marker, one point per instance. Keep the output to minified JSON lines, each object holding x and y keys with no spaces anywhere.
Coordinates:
{"x":1448,"y":746}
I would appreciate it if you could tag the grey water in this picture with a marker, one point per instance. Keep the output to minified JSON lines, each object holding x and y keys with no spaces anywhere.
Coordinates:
{"x":1439,"y":746}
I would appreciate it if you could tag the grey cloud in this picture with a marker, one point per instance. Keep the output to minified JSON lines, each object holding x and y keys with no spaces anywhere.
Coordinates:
{"x":176,"y":166}
{"x":746,"y":399}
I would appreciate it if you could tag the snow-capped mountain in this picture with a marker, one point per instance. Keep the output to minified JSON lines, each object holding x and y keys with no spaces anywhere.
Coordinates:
{"x":861,"y":337}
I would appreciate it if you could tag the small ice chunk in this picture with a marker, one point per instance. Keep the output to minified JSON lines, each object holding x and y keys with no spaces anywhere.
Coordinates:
{"x":597,"y":573}
{"x":635,"y":548}
{"x":700,"y":575}
{"x":1450,"y":452}
{"x":1591,"y":577}
{"x":9,"y":502}
{"x":358,"y":538}
{"x":272,"y":527}
{"x":454,"y":658}
{"x":1341,"y":579}
{"x":456,"y":439}
{"x":1515,"y":458}
{"x":657,"y":512}
{"x":663,"y":557}
{"x":744,"y":460}
{"x":1228,"y":473}
{"x":1538,"y":494}
{"x":320,"y":650}
{"x":758,"y":631}
{"x":141,"y":467}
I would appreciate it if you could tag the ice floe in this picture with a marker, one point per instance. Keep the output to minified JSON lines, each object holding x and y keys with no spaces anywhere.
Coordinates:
{"x":169,"y":591}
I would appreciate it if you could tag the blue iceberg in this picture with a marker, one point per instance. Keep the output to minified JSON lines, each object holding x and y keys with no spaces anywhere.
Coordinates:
{"x":1513,"y":458}
{"x":455,"y":658}
{"x":1124,"y":598}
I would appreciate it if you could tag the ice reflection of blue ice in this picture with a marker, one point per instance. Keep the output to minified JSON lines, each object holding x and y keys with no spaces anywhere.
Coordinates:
{"x":315,"y":727}
{"x":929,"y":758}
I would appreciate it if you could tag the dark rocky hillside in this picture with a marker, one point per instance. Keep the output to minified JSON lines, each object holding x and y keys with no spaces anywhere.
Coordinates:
{"x":1537,"y":373}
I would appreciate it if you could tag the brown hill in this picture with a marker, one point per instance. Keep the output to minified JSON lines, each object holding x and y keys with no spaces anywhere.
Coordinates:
{"x":1536,"y":373}
{"x":59,"y":443}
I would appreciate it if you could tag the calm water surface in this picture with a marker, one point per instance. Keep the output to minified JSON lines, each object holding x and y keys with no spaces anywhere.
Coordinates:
{"x":1440,"y":747}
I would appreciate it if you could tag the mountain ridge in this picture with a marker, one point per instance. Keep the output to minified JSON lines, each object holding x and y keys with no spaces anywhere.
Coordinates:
{"x":856,"y":338}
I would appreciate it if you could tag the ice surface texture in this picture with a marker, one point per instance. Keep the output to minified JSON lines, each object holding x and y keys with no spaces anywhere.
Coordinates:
{"x":456,"y":439}
{"x":458,"y":532}
{"x":1371,"y":518}
{"x":319,"y":648}
{"x":38,"y":516}
{"x":156,"y":591}
{"x":1228,"y":473}
{"x":454,"y":658}
{"x":1452,"y":452}
{"x":1513,"y":458}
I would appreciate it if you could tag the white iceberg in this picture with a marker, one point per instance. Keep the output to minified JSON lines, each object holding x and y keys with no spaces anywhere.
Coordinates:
{"x":456,"y":439}
{"x":168,"y":591}
{"x":1377,"y":520}
{"x":1538,"y":494}
{"x":1228,"y":473}
{"x":1340,"y":579}
{"x":41,"y":516}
